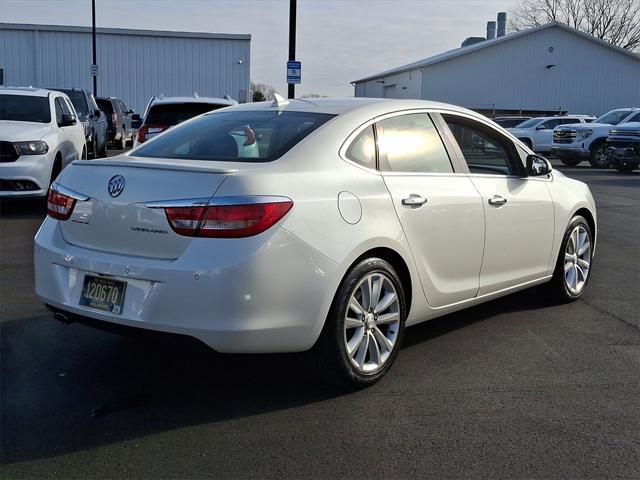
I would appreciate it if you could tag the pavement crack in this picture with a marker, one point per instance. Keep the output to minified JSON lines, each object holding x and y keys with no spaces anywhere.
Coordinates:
{"x":617,"y":317}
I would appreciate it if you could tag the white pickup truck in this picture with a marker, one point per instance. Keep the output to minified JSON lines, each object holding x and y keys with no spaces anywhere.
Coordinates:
{"x":537,"y":133}
{"x":577,"y":142}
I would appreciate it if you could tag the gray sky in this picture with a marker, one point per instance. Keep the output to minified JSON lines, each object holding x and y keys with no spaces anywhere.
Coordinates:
{"x":338,"y":40}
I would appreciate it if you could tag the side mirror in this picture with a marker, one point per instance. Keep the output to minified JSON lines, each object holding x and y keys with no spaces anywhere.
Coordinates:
{"x":130,"y":111}
{"x":67,"y":120}
{"x":136,"y":121}
{"x":96,"y":113}
{"x":538,"y":166}
{"x":541,"y":127}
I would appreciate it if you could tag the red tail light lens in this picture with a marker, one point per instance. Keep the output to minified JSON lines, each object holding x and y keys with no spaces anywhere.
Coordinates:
{"x":59,"y":205}
{"x":226,"y":221}
{"x":146,"y":130}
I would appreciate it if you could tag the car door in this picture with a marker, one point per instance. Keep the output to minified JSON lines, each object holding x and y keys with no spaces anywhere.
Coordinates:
{"x":440,"y":210}
{"x":75,"y":132}
{"x":519,"y":213}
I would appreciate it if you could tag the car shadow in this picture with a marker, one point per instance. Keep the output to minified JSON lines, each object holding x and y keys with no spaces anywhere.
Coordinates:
{"x":71,"y":388}
{"x":23,"y":207}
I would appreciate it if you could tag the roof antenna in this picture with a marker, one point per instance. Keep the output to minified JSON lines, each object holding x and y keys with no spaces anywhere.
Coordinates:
{"x":279,"y":101}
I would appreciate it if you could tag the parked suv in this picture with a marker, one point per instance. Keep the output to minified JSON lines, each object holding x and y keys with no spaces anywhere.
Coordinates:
{"x":93,"y":119}
{"x":624,"y":146}
{"x":574,"y":143}
{"x":165,"y":112}
{"x":39,"y":136}
{"x":119,"y":130}
{"x":537,"y":133}
{"x":509,"y":121}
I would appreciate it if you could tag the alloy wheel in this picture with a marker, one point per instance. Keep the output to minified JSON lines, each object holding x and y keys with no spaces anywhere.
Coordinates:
{"x":372,"y":322}
{"x":577,"y":260}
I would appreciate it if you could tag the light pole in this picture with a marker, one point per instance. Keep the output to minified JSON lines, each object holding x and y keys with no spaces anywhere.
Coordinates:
{"x":94,"y":65}
{"x":292,"y":42}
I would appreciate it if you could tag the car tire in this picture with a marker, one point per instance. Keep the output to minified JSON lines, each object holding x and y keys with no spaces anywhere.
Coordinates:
{"x":598,"y":157}
{"x":55,"y":169}
{"x":93,"y":149}
{"x":103,"y":149}
{"x":356,"y":349}
{"x":627,"y":166}
{"x":566,"y":286}
{"x":83,"y":155}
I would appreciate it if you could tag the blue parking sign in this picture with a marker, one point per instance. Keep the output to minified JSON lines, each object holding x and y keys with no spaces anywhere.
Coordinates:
{"x":294,"y":72}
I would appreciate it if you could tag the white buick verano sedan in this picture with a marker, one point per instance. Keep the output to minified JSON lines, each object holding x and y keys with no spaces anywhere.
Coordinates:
{"x":350,"y":220}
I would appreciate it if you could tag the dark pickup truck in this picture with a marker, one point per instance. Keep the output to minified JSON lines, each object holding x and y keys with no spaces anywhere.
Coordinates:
{"x":623,"y":146}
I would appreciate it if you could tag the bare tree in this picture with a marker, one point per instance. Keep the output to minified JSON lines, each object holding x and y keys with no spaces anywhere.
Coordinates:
{"x":616,"y":21}
{"x":261,"y":92}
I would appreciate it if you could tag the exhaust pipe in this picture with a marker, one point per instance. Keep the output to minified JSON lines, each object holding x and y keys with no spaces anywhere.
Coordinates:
{"x":61,"y":317}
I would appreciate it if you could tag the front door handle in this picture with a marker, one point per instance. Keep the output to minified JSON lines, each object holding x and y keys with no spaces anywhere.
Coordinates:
{"x":414,"y":200}
{"x":497,"y":201}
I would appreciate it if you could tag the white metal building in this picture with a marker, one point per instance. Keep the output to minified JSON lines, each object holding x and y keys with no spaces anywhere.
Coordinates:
{"x":550,"y":68}
{"x":133,"y":65}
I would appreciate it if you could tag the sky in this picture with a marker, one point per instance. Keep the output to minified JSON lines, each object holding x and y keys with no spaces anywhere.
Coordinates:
{"x":338,"y":41}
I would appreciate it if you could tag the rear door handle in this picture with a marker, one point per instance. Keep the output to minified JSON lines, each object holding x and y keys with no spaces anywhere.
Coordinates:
{"x":497,"y":201}
{"x":414,"y":200}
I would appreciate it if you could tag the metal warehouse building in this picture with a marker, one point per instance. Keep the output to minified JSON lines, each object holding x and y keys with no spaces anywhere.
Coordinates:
{"x":133,"y":65}
{"x":549,"y":69}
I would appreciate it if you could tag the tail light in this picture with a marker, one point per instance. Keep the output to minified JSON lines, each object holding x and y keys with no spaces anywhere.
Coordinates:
{"x":147,"y":130}
{"x":226,"y":217}
{"x":61,"y":201}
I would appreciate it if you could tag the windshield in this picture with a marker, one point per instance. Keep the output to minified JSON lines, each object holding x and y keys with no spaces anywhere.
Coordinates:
{"x":613,"y":118}
{"x":78,"y":99}
{"x":237,"y":136}
{"x":532,"y":122}
{"x":174,"y":113}
{"x":25,"y":108}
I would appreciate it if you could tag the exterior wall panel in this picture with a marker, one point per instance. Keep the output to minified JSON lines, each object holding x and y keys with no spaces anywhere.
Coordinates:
{"x":133,"y":66}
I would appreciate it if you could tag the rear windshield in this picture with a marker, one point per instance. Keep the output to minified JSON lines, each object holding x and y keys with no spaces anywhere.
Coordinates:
{"x":235,"y":136}
{"x":105,"y":105}
{"x":78,"y":99}
{"x":174,"y":113}
{"x":25,"y":108}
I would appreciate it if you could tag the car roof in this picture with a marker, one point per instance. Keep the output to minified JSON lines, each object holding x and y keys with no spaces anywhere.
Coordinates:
{"x":337,"y":106}
{"x":174,"y":100}
{"x":29,"y":91}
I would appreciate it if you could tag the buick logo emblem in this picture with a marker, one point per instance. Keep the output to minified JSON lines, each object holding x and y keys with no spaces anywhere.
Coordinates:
{"x":116,"y":185}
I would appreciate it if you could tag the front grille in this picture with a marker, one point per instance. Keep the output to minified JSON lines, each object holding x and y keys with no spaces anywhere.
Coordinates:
{"x":8,"y":152}
{"x":564,"y":136}
{"x":624,"y":133}
{"x":18,"y":186}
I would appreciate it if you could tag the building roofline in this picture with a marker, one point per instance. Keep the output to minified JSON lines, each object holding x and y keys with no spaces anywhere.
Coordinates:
{"x":441,"y":57}
{"x":124,"y":31}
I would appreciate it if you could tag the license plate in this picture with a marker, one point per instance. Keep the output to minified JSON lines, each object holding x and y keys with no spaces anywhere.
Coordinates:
{"x":103,"y":294}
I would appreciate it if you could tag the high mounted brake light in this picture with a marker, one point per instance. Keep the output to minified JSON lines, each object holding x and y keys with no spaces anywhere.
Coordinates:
{"x":227,"y":217}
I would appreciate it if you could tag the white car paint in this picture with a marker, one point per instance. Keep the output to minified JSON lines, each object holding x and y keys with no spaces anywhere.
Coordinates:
{"x":538,"y":132}
{"x":65,"y":144}
{"x":272,"y":292}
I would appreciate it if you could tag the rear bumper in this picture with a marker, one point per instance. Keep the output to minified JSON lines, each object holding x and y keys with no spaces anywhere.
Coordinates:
{"x":268,"y":293}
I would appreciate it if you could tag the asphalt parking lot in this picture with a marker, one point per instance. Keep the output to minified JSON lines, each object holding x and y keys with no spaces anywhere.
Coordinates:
{"x":515,"y":388}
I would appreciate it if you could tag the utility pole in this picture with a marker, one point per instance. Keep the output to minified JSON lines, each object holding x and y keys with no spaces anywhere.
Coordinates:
{"x":94,"y":65}
{"x":292,"y":42}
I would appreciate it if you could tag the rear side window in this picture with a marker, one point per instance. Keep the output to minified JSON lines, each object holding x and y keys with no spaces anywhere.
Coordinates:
{"x":235,"y":136}
{"x":411,"y":143}
{"x":174,"y":113}
{"x":363,"y":149}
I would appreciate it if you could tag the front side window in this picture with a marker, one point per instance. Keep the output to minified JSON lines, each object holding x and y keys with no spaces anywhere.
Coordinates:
{"x":25,"y":108}
{"x":363,"y":149}
{"x":59,"y":110}
{"x":635,"y":118}
{"x":484,"y":150}
{"x":551,"y":124}
{"x":235,"y":136}
{"x":78,"y":99}
{"x":411,"y":143}
{"x":532,"y":122}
